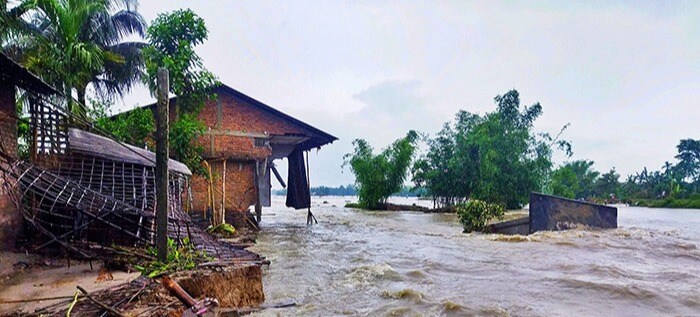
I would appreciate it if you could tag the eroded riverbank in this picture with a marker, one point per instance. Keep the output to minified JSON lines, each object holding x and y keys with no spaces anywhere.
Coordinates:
{"x":406,"y":264}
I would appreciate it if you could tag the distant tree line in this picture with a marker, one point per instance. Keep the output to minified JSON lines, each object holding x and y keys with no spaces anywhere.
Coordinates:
{"x":349,"y":190}
{"x":679,"y":181}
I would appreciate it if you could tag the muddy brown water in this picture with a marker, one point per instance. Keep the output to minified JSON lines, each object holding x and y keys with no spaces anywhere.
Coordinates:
{"x":413,"y":264}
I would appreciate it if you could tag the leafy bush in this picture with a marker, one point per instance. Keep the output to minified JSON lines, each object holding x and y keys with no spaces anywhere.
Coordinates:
{"x":380,"y":175}
{"x":183,"y":257}
{"x":135,"y":127}
{"x":353,"y":205}
{"x":475,"y":214}
{"x":223,"y":229}
{"x":184,"y":142}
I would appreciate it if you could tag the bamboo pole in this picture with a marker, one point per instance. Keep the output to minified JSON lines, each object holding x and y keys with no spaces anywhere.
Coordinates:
{"x":223,"y":196}
{"x":162,"y":165}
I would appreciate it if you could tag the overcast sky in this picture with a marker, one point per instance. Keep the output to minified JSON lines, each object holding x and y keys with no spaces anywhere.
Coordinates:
{"x":626,"y":75}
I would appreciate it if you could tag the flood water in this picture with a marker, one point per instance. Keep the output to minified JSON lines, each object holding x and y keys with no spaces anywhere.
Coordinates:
{"x":413,"y":264}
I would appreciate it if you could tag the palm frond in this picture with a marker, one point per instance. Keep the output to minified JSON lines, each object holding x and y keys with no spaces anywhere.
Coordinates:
{"x":128,"y":22}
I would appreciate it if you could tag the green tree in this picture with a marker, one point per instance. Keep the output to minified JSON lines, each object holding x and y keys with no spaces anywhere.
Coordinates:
{"x":513,"y":160}
{"x":497,"y":157}
{"x":134,"y":127}
{"x":12,"y":26}
{"x":435,"y":170}
{"x":184,"y":145}
{"x":689,"y":160}
{"x":574,"y":179}
{"x":608,"y":184}
{"x":172,"y":41}
{"x":379,"y":175}
{"x":82,"y":43}
{"x":564,"y":182}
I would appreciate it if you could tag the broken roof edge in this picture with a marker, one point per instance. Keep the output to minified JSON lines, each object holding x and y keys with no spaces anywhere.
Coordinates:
{"x":83,"y":142}
{"x":21,"y":77}
{"x":330,"y":138}
{"x":326,"y":137}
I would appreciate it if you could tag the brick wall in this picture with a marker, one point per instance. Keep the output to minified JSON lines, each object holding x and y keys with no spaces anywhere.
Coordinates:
{"x":240,"y":116}
{"x":10,"y":219}
{"x":232,"y":124}
{"x":240,"y":192}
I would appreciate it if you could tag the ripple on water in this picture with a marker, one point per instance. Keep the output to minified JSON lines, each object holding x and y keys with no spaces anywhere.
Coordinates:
{"x":614,"y":272}
{"x":369,"y":274}
{"x":405,"y":293}
{"x":496,"y":311}
{"x":416,"y":274}
{"x":626,"y":291}
{"x":509,"y":238}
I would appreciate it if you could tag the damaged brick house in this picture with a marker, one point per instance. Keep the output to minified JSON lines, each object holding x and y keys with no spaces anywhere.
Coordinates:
{"x":81,"y":190}
{"x":243,"y":139}
{"x":12,"y":77}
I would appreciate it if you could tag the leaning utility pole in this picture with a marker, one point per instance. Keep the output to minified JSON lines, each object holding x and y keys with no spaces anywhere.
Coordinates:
{"x":162,"y":164}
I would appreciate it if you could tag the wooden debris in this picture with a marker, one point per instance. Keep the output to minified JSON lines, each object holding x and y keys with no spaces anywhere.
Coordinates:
{"x":111,"y":310}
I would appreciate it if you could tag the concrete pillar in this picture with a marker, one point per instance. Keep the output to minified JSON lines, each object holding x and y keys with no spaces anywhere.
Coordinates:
{"x":10,"y":219}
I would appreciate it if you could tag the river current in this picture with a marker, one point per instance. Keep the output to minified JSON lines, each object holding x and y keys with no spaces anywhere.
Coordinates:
{"x":361,"y":263}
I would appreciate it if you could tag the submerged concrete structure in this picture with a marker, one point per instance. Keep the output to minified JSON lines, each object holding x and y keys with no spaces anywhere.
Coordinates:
{"x":557,"y":213}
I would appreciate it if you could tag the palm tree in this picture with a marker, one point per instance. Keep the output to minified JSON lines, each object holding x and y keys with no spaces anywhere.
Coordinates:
{"x":13,"y":28}
{"x":83,"y":43}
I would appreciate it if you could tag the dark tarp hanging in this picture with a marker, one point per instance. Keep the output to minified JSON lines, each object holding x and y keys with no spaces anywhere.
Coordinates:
{"x":298,"y":195}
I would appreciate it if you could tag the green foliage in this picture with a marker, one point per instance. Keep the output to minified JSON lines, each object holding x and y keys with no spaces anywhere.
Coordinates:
{"x":496,"y":157}
{"x":668,"y":203}
{"x":72,"y":44}
{"x":380,"y":175}
{"x":134,"y":127}
{"x":222,"y":229}
{"x":608,"y":184}
{"x":574,"y":180}
{"x":688,"y":167}
{"x":182,"y":257}
{"x":672,"y":186}
{"x":23,"y":130}
{"x":474,"y":215}
{"x":184,"y":145}
{"x":173,"y":38}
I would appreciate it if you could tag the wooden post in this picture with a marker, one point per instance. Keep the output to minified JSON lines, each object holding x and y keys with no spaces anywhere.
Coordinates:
{"x":162,"y":165}
{"x":310,"y":218}
{"x":258,"y":205}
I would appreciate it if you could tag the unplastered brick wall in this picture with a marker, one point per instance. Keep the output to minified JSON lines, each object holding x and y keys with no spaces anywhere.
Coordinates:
{"x":10,"y":219}
{"x":238,"y":115}
{"x":232,"y":124}
{"x":239,"y":147}
{"x":240,"y":190}
{"x":8,"y":122}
